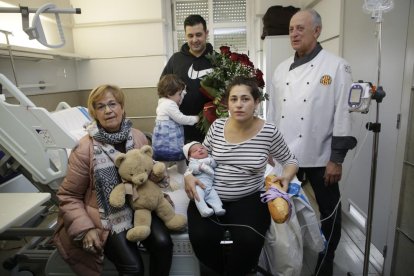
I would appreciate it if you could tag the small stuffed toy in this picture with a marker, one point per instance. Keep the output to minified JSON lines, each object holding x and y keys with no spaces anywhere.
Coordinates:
{"x":134,"y":167}
{"x":277,"y":200}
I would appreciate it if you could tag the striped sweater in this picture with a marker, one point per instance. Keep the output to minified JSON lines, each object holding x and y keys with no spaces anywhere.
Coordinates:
{"x":240,"y":167}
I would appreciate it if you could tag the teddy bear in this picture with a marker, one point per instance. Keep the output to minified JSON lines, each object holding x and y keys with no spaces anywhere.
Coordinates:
{"x":134,"y":167}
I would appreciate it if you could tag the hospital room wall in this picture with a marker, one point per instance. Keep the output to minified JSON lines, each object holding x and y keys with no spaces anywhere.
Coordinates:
{"x":126,"y":45}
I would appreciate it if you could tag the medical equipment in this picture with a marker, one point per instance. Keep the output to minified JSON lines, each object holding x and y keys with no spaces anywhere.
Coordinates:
{"x":375,"y":8}
{"x":360,"y":97}
{"x":34,"y":142}
{"x":35,"y":31}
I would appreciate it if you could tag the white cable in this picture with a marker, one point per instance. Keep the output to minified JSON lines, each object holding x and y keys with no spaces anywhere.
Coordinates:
{"x":327,"y":243}
{"x":238,"y":225}
{"x":358,"y":149}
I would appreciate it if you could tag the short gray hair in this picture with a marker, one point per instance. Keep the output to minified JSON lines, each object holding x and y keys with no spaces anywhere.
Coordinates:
{"x":316,"y":18}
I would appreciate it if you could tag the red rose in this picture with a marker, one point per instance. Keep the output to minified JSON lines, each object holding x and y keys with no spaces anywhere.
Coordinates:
{"x":259,"y":78}
{"x":244,"y":59}
{"x":209,"y":112}
{"x":225,"y":50}
{"x":234,"y":57}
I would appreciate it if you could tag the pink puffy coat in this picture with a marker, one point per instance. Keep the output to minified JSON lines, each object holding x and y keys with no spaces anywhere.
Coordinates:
{"x":78,"y":208}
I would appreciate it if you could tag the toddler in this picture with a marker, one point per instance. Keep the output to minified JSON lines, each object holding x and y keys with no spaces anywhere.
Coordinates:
{"x":168,"y":135}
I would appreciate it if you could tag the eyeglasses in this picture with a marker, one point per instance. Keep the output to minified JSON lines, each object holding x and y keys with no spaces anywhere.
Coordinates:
{"x":102,"y":107}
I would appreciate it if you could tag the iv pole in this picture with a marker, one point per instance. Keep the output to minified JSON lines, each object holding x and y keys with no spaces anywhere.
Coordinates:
{"x":376,"y":8}
{"x":378,"y":95}
{"x":375,"y":128}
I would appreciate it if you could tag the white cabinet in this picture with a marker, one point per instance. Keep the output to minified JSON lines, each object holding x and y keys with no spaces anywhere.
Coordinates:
{"x":275,"y":50}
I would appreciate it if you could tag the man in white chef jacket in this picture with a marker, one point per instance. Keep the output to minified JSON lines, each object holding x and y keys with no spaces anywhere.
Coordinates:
{"x":309,"y":106}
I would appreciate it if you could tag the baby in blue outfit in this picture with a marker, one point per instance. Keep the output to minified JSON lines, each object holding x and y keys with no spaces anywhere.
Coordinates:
{"x":202,"y":165}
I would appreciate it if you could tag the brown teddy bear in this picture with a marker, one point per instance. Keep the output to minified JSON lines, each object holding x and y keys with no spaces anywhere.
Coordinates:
{"x":134,"y":167}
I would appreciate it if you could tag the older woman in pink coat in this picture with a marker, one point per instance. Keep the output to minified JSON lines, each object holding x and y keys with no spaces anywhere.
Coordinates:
{"x":89,"y":229}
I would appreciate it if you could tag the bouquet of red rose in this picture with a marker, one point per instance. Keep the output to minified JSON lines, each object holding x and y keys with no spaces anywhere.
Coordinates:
{"x":226,"y":66}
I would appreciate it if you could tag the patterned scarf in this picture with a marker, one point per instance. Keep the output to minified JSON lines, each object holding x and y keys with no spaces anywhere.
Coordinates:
{"x":106,"y":175}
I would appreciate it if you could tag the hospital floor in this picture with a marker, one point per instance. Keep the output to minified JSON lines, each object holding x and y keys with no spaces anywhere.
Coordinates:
{"x":349,"y":255}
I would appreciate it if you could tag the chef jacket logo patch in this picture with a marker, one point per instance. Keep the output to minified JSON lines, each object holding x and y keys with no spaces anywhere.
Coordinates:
{"x":326,"y":80}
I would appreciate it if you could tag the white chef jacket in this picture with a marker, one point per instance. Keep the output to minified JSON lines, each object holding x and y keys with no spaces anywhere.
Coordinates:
{"x":309,"y":105}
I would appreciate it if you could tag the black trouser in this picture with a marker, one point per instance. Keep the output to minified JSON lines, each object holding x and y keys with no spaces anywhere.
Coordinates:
{"x":127,"y":258}
{"x":240,"y":257}
{"x":327,"y":198}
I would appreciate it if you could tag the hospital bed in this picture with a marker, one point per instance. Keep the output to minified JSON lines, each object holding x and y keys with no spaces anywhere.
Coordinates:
{"x":36,"y":143}
{"x":34,"y":152}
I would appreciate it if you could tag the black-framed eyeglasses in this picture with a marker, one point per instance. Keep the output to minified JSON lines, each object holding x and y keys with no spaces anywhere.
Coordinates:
{"x":102,"y":107}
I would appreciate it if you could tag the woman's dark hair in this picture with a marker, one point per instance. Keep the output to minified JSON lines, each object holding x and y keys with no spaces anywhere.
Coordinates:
{"x":169,"y":85}
{"x":249,"y":82}
{"x":195,"y":19}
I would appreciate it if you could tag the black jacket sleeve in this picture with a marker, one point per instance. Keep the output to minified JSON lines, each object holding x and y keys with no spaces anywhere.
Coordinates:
{"x":340,"y":146}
